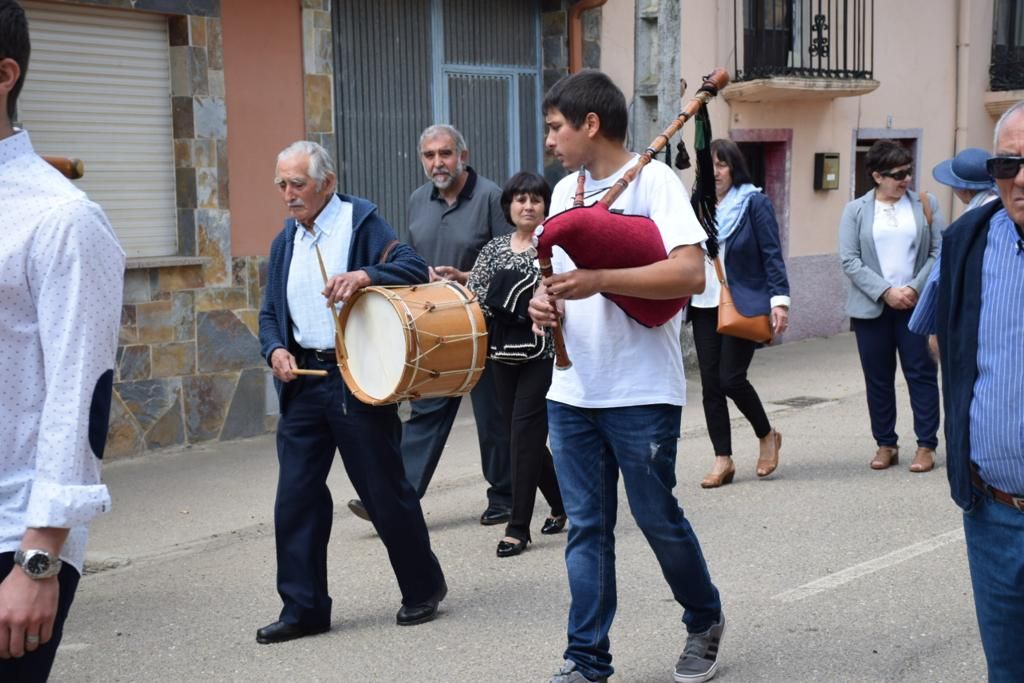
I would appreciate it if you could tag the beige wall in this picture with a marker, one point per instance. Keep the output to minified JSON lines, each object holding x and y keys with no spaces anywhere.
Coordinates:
{"x":617,"y":18}
{"x":263,"y":83}
{"x":915,"y":61}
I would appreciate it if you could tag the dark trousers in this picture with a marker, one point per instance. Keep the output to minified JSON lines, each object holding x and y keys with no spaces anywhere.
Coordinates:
{"x":724,"y":362}
{"x":322,"y":417}
{"x":426,"y":432}
{"x":35,"y":666}
{"x":879,"y":340}
{"x":521,"y":391}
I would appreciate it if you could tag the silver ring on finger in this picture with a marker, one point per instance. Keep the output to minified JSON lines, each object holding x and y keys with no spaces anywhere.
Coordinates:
{"x":32,"y":639}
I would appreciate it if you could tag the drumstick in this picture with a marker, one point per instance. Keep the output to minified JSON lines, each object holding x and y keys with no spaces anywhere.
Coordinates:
{"x":314,"y":373}
{"x":73,"y":169}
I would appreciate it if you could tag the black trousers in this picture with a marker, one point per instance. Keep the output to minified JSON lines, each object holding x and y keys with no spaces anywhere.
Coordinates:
{"x":320,"y":418}
{"x":426,"y":432}
{"x":879,"y":341}
{"x":521,"y":390}
{"x":35,"y":666}
{"x":724,"y":362}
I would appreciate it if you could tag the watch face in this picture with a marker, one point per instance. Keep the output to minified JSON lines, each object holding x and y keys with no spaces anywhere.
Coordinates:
{"x":37,"y":564}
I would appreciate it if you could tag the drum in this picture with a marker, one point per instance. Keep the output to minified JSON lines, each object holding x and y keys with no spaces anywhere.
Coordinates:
{"x":412,"y":342}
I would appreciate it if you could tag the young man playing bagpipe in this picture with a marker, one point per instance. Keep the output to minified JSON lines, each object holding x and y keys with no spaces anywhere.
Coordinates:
{"x":618,"y":407}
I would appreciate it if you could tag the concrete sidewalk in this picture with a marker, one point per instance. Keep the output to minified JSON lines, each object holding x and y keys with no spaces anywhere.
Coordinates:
{"x":176,"y":501}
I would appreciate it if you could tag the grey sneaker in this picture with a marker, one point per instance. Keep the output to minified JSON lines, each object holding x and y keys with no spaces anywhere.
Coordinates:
{"x":569,"y":674}
{"x":699,"y":661}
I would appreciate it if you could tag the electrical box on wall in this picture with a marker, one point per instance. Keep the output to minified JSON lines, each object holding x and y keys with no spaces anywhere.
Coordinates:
{"x":826,"y":171}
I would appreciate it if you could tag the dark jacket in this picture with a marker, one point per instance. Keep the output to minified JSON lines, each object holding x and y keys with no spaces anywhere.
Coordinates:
{"x":370,"y":235}
{"x":957,"y":317}
{"x":753,"y":259}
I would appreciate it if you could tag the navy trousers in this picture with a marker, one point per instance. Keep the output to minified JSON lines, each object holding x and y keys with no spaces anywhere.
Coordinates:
{"x":322,"y":417}
{"x":879,"y":341}
{"x":426,"y":432}
{"x":35,"y":666}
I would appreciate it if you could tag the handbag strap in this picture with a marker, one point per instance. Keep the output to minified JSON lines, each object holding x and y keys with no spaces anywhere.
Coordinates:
{"x":926,"y":204}
{"x":718,"y":271}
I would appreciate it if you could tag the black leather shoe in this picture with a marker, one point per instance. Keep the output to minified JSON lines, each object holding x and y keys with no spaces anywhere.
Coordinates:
{"x":554,"y":525}
{"x":506,"y":549}
{"x":357,"y":508}
{"x":495,"y":514}
{"x":410,"y":615}
{"x":280,"y":631}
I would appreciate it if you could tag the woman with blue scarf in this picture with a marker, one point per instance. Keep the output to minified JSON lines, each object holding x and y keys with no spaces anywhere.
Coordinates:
{"x":751,"y":257}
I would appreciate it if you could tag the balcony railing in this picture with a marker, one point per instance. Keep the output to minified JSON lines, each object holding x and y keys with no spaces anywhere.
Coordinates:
{"x":831,"y":39}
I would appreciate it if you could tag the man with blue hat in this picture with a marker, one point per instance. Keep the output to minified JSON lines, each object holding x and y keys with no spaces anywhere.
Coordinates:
{"x":966,"y":174}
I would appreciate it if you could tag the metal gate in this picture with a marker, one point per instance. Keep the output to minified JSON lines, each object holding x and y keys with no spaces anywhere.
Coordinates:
{"x":402,"y":65}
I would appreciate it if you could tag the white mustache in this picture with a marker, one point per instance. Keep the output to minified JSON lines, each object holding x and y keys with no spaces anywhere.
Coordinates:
{"x":297,"y":204}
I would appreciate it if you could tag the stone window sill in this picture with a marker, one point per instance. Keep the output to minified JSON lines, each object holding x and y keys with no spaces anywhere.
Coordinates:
{"x":165,"y":262}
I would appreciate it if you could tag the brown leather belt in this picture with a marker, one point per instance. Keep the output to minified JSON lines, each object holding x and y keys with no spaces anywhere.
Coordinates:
{"x":997,"y":495}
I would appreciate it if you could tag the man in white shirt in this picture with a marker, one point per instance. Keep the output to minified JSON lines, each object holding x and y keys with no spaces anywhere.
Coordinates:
{"x":61,"y":278}
{"x":617,"y":410}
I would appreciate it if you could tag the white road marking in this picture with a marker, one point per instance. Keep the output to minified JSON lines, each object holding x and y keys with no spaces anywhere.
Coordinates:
{"x":871,"y":566}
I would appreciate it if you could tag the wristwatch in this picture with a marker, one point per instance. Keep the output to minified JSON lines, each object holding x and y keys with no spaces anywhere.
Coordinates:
{"x":38,"y":564}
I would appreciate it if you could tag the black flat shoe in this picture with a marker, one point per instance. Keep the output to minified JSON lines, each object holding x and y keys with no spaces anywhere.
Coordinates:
{"x":280,"y":631}
{"x":506,"y":549}
{"x":410,"y":615}
{"x":495,"y":514}
{"x":357,"y":508}
{"x":554,"y":525}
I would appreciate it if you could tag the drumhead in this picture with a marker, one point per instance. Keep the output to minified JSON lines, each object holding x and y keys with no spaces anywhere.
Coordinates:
{"x":375,"y":343}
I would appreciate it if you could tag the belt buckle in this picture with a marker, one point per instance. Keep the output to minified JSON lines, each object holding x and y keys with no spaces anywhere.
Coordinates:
{"x":324,"y":355}
{"x":1018,"y":503}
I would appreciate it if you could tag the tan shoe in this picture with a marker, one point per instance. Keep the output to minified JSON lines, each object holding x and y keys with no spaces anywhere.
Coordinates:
{"x":768,"y":459}
{"x":885,"y":457}
{"x":714,"y":479}
{"x":924,"y":460}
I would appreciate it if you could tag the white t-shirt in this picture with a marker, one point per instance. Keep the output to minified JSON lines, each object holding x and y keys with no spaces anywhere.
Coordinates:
{"x":618,"y":362}
{"x":895,"y":235}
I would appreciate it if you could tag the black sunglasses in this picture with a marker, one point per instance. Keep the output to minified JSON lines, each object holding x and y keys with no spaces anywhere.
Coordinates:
{"x":1004,"y":168}
{"x":896,"y":175}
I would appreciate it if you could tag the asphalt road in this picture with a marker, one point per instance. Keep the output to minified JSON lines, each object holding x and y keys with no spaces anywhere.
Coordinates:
{"x":829,"y":571}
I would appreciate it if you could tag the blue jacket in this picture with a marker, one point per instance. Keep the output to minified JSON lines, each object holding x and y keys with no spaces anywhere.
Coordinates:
{"x":370,"y":235}
{"x":753,"y":259}
{"x":957,"y":316}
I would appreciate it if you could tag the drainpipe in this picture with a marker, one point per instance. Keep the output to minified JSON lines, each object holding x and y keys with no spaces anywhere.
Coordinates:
{"x":576,"y":32}
{"x":963,"y":52}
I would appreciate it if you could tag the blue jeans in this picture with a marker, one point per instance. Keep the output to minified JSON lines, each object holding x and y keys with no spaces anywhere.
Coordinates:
{"x":995,"y":552}
{"x":590,"y":448}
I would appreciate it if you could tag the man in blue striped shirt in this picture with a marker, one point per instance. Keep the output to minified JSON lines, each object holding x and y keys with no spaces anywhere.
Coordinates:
{"x":974,"y":303}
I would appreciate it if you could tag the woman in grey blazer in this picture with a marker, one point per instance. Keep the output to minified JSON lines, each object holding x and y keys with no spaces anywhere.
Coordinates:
{"x":887,"y":249}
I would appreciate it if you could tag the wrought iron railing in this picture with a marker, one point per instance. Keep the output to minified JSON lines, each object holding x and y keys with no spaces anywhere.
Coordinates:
{"x":1006,"y":72}
{"x":804,"y":38}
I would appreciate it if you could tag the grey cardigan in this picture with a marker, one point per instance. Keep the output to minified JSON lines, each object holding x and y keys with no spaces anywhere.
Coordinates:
{"x":860,"y":259}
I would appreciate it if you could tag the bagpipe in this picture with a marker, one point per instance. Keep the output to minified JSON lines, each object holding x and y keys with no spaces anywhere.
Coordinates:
{"x":596,"y":238}
{"x":73,"y":169}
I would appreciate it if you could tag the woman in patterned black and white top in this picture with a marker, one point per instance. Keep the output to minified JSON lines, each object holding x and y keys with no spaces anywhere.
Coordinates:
{"x":522,"y":386}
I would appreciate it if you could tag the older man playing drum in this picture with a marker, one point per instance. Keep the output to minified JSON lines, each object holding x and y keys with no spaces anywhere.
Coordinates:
{"x":319,"y":415}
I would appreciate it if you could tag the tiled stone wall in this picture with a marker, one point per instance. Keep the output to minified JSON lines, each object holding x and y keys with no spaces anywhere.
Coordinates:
{"x":318,"y":68}
{"x":188,"y":367}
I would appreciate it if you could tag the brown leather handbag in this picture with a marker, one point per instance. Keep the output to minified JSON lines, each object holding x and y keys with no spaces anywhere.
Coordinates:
{"x":733,"y":323}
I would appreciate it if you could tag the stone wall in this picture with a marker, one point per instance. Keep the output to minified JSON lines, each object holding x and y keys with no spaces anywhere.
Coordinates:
{"x":188,"y":367}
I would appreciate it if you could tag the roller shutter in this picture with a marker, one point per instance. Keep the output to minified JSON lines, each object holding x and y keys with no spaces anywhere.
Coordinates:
{"x":99,"y":89}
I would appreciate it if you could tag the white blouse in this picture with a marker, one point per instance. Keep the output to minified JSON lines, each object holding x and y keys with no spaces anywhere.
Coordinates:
{"x":895,"y":235}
